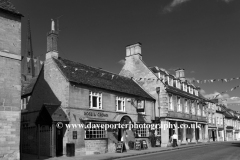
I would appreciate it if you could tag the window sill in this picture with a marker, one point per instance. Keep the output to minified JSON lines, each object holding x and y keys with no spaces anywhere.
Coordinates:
{"x":96,"y":109}
{"x":121,"y":111}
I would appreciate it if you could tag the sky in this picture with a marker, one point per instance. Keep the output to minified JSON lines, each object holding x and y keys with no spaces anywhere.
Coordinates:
{"x":200,"y":36}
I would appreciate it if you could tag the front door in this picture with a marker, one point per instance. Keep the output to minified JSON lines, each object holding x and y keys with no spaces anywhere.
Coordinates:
{"x":59,"y":142}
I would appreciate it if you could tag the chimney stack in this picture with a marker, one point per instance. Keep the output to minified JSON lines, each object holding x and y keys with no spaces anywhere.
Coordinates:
{"x":180,"y":74}
{"x":52,"y":39}
{"x":134,"y":50}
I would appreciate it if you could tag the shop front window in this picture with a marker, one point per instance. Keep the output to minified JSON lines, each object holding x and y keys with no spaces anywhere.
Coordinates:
{"x":96,"y":131}
{"x":142,"y":132}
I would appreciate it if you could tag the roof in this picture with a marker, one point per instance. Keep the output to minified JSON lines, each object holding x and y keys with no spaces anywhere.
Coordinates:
{"x":28,"y":86}
{"x":180,"y":92}
{"x":8,"y":6}
{"x":51,"y":113}
{"x":156,"y":69}
{"x":87,"y":75}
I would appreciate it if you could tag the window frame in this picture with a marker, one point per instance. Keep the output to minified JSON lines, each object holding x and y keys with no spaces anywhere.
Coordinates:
{"x":171,"y":102}
{"x":123,"y":104}
{"x":142,"y":106}
{"x":179,"y":106}
{"x":186,"y":106}
{"x":96,"y":130}
{"x":99,"y":97}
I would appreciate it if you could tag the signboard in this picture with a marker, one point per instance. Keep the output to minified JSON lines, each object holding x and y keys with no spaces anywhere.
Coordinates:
{"x":144,"y":144}
{"x":74,"y":134}
{"x":95,"y":114}
{"x":138,"y":145}
{"x":119,"y":148}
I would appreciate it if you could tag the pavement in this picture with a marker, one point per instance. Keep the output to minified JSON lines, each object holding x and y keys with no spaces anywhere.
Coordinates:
{"x":129,"y":153}
{"x":220,"y":151}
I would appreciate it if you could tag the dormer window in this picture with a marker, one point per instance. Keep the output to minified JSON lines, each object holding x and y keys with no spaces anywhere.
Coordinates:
{"x":170,"y":81}
{"x":185,"y":88}
{"x":196,"y":92}
{"x":191,"y":89}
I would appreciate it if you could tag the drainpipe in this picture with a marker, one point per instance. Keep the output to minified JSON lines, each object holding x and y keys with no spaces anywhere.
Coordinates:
{"x":158,"y":92}
{"x":224,"y":133}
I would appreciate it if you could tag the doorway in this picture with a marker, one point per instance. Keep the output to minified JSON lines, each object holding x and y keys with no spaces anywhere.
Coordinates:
{"x":59,"y":142}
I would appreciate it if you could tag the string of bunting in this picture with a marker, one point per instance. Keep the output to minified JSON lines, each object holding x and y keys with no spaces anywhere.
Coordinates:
{"x":214,"y":97}
{"x":214,"y":80}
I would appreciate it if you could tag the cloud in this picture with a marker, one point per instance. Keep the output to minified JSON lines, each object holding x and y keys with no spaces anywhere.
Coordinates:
{"x":235,"y":98}
{"x":173,"y":5}
{"x":192,"y":72}
{"x":176,"y":3}
{"x":122,"y":62}
{"x":227,"y":1}
{"x":214,"y":95}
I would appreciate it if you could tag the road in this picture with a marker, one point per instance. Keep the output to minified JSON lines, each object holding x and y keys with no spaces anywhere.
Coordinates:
{"x":221,"y":151}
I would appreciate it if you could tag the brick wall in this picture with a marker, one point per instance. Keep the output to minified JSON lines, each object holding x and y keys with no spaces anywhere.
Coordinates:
{"x":10,"y":86}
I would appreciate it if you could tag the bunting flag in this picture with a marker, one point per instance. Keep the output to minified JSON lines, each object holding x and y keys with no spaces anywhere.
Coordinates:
{"x":232,"y":89}
{"x":215,"y":80}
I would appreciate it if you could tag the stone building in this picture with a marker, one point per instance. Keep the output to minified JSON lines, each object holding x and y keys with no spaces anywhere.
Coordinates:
{"x":219,"y":123}
{"x":178,"y":102}
{"x":10,"y":80}
{"x":75,"y":94}
{"x":212,"y":125}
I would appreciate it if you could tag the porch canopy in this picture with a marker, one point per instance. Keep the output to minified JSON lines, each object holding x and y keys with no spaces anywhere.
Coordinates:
{"x":50,"y":113}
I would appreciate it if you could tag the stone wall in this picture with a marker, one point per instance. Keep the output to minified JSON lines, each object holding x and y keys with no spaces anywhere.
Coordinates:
{"x":10,"y":85}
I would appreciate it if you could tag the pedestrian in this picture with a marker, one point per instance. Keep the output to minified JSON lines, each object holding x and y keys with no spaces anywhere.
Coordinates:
{"x":175,"y":139}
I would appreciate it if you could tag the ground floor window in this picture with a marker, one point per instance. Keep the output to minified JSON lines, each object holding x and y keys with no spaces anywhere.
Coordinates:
{"x":96,"y":131}
{"x":142,"y":132}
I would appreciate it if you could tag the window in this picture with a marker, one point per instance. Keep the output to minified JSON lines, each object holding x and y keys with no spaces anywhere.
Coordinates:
{"x":191,"y":89}
{"x":213,"y":120}
{"x":141,"y":105}
{"x":217,"y":121}
{"x":179,"y":84}
{"x":171,"y":102}
{"x":196,"y":92}
{"x":23,"y":103}
{"x":96,"y":131}
{"x":193,"y":109}
{"x":199,"y":110}
{"x":209,"y":119}
{"x":179,"y":104}
{"x":203,"y":112}
{"x":95,"y":100}
{"x":142,"y":132}
{"x":120,"y":104}
{"x":186,"y":106}
{"x":170,"y":81}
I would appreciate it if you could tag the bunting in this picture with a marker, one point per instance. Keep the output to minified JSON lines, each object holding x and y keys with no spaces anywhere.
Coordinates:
{"x":215,"y":80}
{"x":232,"y":89}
